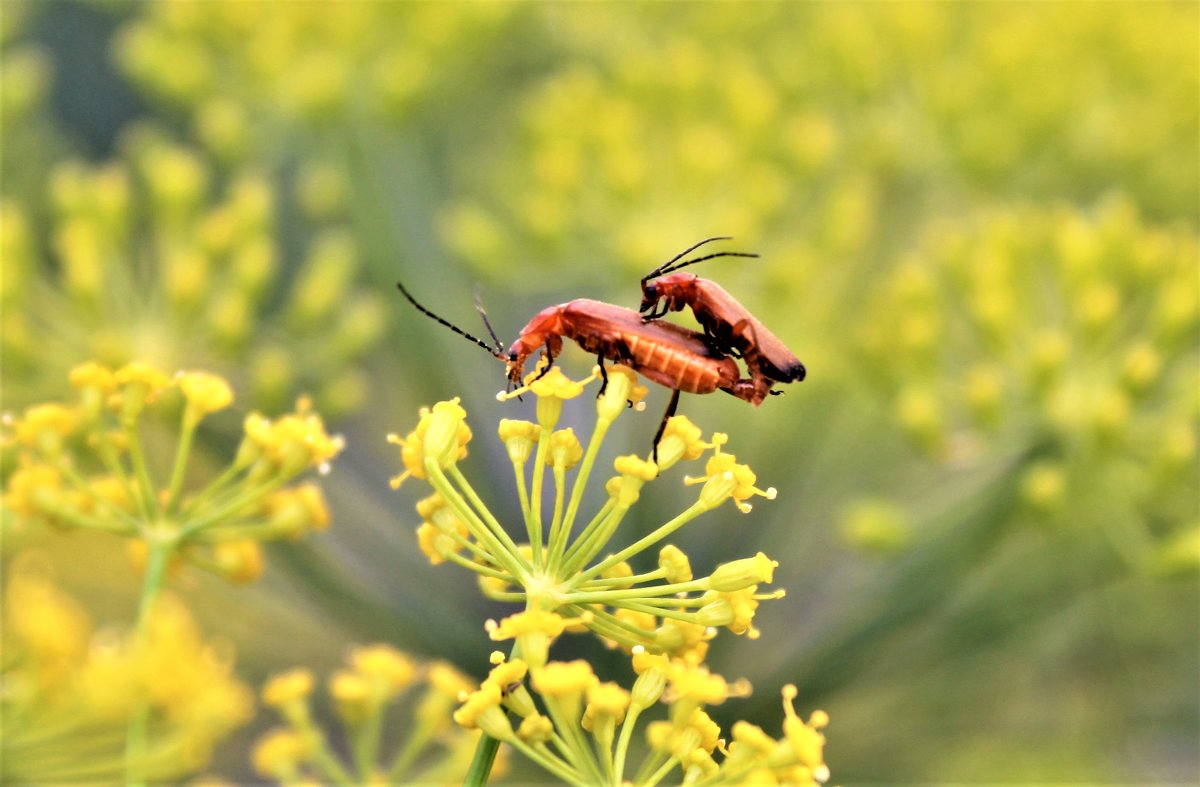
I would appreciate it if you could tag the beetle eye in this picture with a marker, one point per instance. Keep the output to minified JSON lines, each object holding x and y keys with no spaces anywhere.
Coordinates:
{"x":512,"y":357}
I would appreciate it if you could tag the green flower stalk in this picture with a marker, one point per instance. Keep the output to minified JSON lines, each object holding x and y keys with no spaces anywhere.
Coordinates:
{"x":558,"y":568}
{"x":110,"y":482}
{"x":378,"y":681}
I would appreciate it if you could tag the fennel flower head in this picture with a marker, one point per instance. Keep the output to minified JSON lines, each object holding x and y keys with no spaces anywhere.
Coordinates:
{"x":560,"y":565}
{"x":98,"y":464}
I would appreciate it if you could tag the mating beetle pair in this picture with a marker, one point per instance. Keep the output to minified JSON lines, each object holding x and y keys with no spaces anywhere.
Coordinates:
{"x":675,"y":357}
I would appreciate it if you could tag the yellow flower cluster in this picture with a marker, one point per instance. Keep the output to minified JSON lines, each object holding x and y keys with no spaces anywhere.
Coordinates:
{"x":69,"y":688}
{"x":837,"y":111}
{"x":93,"y":465}
{"x":559,"y":574}
{"x":154,"y":261}
{"x":246,"y":71}
{"x":1068,"y":334}
{"x":581,"y":729}
{"x":379,"y":682}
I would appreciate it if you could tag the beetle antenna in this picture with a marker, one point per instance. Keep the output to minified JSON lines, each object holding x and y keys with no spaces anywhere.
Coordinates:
{"x":712,"y":256}
{"x":486,"y":322}
{"x":497,"y":351}
{"x":666,"y":266}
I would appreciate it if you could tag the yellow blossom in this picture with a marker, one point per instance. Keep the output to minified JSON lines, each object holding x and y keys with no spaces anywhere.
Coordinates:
{"x":383,"y":663}
{"x":45,"y":426}
{"x":564,"y":678}
{"x":739,"y":574}
{"x":565,"y":450}
{"x":519,"y":438}
{"x":291,"y":686}
{"x":674,"y":564}
{"x":279,"y":753}
{"x":241,"y":561}
{"x":204,"y":392}
{"x":681,"y":439}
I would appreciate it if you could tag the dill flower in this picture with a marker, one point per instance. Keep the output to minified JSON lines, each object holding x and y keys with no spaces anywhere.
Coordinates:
{"x":1088,"y":388}
{"x":556,"y":565}
{"x":91,"y":466}
{"x":580,"y":730}
{"x":71,"y":688}
{"x":156,"y":255}
{"x":379,"y":687}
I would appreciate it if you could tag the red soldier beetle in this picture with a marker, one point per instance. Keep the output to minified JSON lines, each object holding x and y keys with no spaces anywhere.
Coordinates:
{"x":675,"y":357}
{"x":728,"y":326}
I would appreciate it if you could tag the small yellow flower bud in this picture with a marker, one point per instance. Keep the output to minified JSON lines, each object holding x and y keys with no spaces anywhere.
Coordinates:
{"x":95,"y":383}
{"x":1141,"y":368}
{"x":605,"y":699}
{"x":621,"y":389}
{"x":535,"y":729}
{"x":674,"y":564}
{"x":205,"y":393}
{"x":681,"y":439}
{"x":44,"y":427}
{"x":354,"y":696}
{"x":241,"y":562}
{"x":651,"y":670}
{"x":446,"y":434}
{"x":1043,"y":487}
{"x":920,"y":414}
{"x":287,"y":688}
{"x":518,"y":437}
{"x":634,"y":473}
{"x":279,"y":753}
{"x":564,"y":679}
{"x":565,"y":449}
{"x":386,"y":666}
{"x":739,"y":574}
{"x":481,"y":710}
{"x":551,"y":389}
{"x":697,"y":684}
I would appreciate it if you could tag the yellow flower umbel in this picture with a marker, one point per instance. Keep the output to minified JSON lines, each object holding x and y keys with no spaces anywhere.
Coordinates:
{"x":378,"y":683}
{"x":70,"y":692}
{"x":1088,"y":394}
{"x":90,"y":466}
{"x":557,"y":567}
{"x":159,"y":255}
{"x":580,"y":729}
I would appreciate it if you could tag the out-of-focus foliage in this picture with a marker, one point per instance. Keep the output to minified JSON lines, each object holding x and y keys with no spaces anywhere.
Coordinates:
{"x":1062,"y":331}
{"x":422,"y":745}
{"x":69,"y":688}
{"x":979,"y":231}
{"x":158,"y":257}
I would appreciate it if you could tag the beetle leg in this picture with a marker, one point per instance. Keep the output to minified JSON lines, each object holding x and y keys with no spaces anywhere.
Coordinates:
{"x":549,"y":358}
{"x":666,"y":417}
{"x":603,"y":375}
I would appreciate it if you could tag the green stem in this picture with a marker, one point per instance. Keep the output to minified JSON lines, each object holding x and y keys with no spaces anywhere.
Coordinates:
{"x":140,"y":471}
{"x":137,"y":733}
{"x":187,"y":431}
{"x":688,"y":514}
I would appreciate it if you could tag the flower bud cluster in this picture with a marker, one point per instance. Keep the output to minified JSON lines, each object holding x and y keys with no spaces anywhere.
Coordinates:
{"x":87,"y":466}
{"x":977,"y":360}
{"x":59,"y":666}
{"x":561,"y":571}
{"x":201,"y":251}
{"x":579,"y":729}
{"x":380,"y":690}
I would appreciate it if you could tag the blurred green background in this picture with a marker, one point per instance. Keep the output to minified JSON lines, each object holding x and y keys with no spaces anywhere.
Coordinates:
{"x":978,"y":228}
